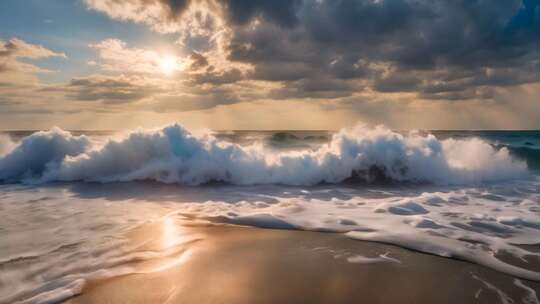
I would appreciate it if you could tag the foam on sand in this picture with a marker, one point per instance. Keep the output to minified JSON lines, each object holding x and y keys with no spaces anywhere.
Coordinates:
{"x":382,"y":258}
{"x":483,"y":225}
{"x":531,"y":297}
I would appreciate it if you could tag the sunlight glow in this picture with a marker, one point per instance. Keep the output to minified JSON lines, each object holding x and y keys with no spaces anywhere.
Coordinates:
{"x":168,"y":64}
{"x":171,"y":233}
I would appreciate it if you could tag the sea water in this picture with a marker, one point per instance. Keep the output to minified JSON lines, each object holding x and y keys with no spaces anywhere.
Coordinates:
{"x":67,"y":199}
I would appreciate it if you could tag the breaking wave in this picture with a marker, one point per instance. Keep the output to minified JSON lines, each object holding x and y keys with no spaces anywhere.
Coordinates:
{"x":530,"y":155}
{"x":175,"y":155}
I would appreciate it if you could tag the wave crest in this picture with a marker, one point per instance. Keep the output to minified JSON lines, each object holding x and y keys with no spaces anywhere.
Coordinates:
{"x":175,"y":155}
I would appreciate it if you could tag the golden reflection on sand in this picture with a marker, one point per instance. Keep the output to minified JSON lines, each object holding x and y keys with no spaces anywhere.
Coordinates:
{"x":164,"y":243}
{"x":175,"y":242}
{"x":171,"y":233}
{"x":227,"y":264}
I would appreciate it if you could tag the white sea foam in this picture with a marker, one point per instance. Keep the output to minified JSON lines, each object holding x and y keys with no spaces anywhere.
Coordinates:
{"x":52,"y":244}
{"x":530,"y":297}
{"x":382,"y":258}
{"x":503,"y":297}
{"x":477,"y":224}
{"x":59,"y":234}
{"x":174,"y":155}
{"x":6,"y":145}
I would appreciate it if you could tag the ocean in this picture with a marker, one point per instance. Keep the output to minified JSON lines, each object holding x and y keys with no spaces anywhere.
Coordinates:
{"x":68,"y":200}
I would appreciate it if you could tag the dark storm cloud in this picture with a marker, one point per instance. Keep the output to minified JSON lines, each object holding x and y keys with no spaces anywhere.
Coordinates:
{"x":238,"y":12}
{"x":279,"y":11}
{"x":178,"y":6}
{"x":281,"y":71}
{"x":421,"y":33}
{"x":420,"y":41}
{"x":440,"y":49}
{"x":398,"y":82}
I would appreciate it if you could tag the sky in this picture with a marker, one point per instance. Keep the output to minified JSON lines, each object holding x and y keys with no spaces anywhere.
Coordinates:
{"x":270,"y":64}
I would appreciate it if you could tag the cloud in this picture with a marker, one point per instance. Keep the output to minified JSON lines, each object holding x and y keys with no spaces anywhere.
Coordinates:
{"x":192,"y":102}
{"x":395,"y":45}
{"x":198,"y":61}
{"x":428,"y":55}
{"x":283,"y":12}
{"x":167,"y":15}
{"x":17,"y":48}
{"x":134,"y":74}
{"x":116,"y":56}
{"x":15,"y":72}
{"x":210,"y":77}
{"x":152,"y":12}
{"x":111,"y":89}
{"x":189,"y":17}
{"x":18,"y":75}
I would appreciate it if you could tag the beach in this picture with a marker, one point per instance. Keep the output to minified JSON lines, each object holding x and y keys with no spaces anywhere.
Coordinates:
{"x":233,"y":264}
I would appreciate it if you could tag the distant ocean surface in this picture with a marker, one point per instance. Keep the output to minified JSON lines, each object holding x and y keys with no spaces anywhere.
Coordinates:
{"x":67,"y":199}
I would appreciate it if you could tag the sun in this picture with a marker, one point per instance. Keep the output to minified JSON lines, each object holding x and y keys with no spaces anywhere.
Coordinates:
{"x":168,"y":64}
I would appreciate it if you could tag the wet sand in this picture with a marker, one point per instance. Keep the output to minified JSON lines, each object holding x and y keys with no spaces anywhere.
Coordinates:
{"x":231,"y":264}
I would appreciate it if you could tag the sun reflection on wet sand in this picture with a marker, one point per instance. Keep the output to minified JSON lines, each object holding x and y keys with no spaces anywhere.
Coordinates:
{"x":165,"y":243}
{"x":175,"y":240}
{"x":245,"y":265}
{"x":171,"y":233}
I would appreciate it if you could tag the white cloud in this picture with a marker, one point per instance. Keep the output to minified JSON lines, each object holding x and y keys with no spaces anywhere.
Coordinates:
{"x":15,"y":72}
{"x":116,"y":56}
{"x":17,"y":48}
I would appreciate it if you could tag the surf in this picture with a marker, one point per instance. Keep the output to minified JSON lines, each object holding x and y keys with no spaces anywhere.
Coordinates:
{"x":173,"y":154}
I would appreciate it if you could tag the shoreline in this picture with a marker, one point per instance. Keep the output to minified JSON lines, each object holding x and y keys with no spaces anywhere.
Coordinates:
{"x":237,"y":264}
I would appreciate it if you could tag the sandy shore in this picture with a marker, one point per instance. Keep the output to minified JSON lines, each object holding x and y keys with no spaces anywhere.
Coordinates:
{"x":227,"y":264}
